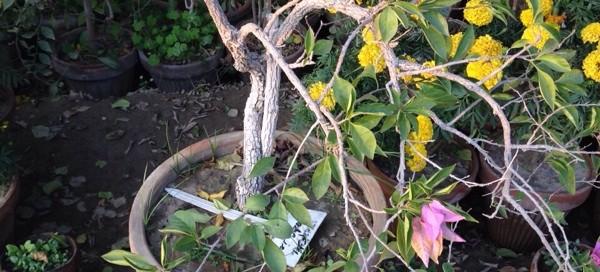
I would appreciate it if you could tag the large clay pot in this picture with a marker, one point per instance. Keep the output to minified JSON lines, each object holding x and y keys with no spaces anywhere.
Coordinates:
{"x":8,"y":202}
{"x":153,"y":187}
{"x":176,"y":78}
{"x":97,"y":80}
{"x":72,"y":264}
{"x":514,"y":232}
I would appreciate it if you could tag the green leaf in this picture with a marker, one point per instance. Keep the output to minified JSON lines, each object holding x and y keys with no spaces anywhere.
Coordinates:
{"x":506,"y":253}
{"x":257,"y":236}
{"x":547,"y":88}
{"x":111,"y":62}
{"x":388,"y":24}
{"x":209,"y":231}
{"x":45,"y":46}
{"x":344,"y":94}
{"x":410,"y":8}
{"x":234,"y":231}
{"x":364,"y":139}
{"x":120,"y":257}
{"x":274,"y":257}
{"x":575,"y":76}
{"x":321,"y":179}
{"x":436,"y":40}
{"x":52,"y":186}
{"x":100,"y":164}
{"x":262,"y":167}
{"x":322,"y":47}
{"x":7,"y":4}
{"x":278,"y":228}
{"x":295,"y":195}
{"x":351,"y":267}
{"x":309,"y":41}
{"x":221,"y":204}
{"x":105,"y":194}
{"x":299,"y":212}
{"x":440,"y":176}
{"x":121,"y":104}
{"x":465,"y":43}
{"x":555,"y":62}
{"x":61,"y":170}
{"x":278,"y":211}
{"x":47,"y":32}
{"x":44,"y":59}
{"x":256,"y":203}
{"x":438,"y":21}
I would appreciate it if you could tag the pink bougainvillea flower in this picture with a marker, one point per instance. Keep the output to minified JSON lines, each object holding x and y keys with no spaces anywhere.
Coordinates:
{"x":430,"y":229}
{"x":595,"y":255}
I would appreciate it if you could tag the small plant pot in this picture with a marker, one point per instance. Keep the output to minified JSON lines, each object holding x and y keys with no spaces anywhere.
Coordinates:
{"x":8,"y":202}
{"x":97,"y":80}
{"x":176,"y":78}
{"x":514,"y":232}
{"x":538,"y":265}
{"x":72,"y":263}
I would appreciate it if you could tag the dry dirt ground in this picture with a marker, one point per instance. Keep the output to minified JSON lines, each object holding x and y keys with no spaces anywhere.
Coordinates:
{"x":84,"y":160}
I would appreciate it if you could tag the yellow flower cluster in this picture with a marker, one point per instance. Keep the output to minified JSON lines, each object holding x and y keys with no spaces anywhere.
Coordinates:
{"x":367,"y":35}
{"x":316,"y":89}
{"x":591,"y":65}
{"x":486,"y":46}
{"x":455,"y":38}
{"x":547,"y":6}
{"x":532,"y":33}
{"x":478,"y":12}
{"x":417,"y":152}
{"x":526,"y":17}
{"x":591,"y":33}
{"x":482,"y":68}
{"x":370,"y":54}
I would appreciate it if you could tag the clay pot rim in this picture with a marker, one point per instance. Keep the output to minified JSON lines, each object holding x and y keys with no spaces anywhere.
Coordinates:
{"x":152,"y":188}
{"x":73,"y":249}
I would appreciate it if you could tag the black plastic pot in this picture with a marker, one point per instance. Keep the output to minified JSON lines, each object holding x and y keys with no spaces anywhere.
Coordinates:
{"x":175,"y":78}
{"x":97,"y":80}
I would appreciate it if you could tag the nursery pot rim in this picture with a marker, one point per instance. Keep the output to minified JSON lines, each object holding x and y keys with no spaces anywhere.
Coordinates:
{"x":70,"y":264}
{"x":217,"y":146}
{"x":537,"y":257}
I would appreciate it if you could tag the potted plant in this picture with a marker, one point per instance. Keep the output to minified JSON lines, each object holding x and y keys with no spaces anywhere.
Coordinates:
{"x":9,"y":191}
{"x":43,"y":253}
{"x":178,"y":48}
{"x":98,"y":61}
{"x":581,"y":257}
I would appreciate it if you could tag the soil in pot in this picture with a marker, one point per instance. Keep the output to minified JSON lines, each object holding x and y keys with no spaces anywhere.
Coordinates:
{"x":218,"y":176}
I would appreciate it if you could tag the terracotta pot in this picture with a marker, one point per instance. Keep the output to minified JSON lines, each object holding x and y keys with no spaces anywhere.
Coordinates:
{"x":97,"y":80}
{"x":8,"y":202}
{"x":175,"y":78}
{"x":388,"y":184}
{"x":153,"y":187}
{"x":538,"y":265}
{"x":514,"y":232}
{"x":71,"y":265}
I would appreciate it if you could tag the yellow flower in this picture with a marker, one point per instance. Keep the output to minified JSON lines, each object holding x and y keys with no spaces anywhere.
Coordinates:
{"x":359,"y":2}
{"x":316,"y":89}
{"x":546,"y":6}
{"x":455,"y":38}
{"x":555,"y":19}
{"x":478,"y":12}
{"x":481,"y":68}
{"x":591,"y":65}
{"x":332,"y":11}
{"x":370,"y":54}
{"x":526,"y":17}
{"x":425,"y":129}
{"x":591,"y":33}
{"x":428,"y":64}
{"x":408,"y":78}
{"x":416,"y":156}
{"x":367,"y":35}
{"x":532,"y":33}
{"x":486,"y":46}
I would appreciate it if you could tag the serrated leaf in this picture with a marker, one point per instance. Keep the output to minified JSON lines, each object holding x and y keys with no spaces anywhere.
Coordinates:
{"x":262,"y":167}
{"x":121,"y":104}
{"x":278,"y":211}
{"x":256,"y":203}
{"x":274,"y":257}
{"x":278,"y":228}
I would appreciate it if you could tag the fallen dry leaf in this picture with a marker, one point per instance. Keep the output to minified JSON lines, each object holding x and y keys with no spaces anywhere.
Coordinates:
{"x":218,"y":195}
{"x":219,"y":219}
{"x":201,"y":193}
